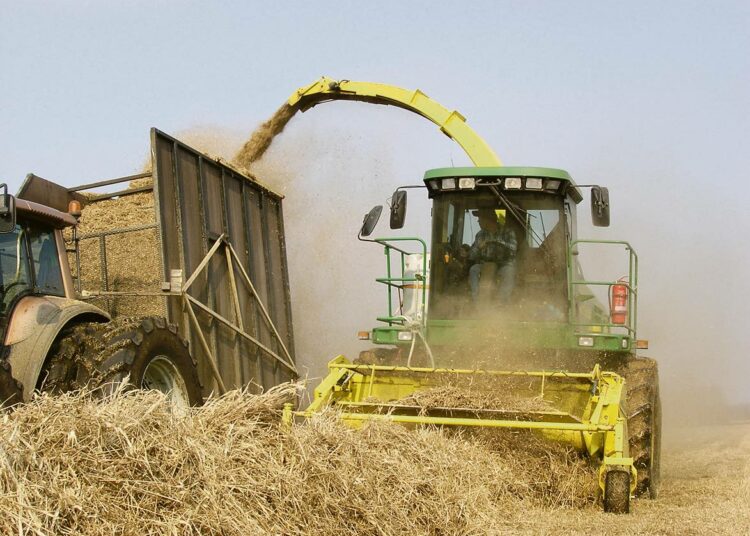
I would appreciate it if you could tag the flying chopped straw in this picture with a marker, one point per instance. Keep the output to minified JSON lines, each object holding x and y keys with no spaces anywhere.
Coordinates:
{"x":261,"y":138}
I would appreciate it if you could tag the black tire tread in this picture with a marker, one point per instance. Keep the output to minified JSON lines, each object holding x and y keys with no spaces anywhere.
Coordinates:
{"x":11,"y":390}
{"x":617,"y":492}
{"x":100,"y":356}
{"x":644,"y":422}
{"x":59,"y":371}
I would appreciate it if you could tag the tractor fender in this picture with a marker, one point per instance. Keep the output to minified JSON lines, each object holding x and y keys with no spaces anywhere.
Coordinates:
{"x":35,"y":324}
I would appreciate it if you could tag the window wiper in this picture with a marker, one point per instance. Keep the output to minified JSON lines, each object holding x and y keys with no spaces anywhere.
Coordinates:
{"x":514,"y":210}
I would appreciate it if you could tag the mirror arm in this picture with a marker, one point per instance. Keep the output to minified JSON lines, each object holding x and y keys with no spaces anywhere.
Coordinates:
{"x":359,"y":237}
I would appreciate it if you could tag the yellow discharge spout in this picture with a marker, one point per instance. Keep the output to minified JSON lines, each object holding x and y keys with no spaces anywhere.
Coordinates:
{"x":451,"y":122}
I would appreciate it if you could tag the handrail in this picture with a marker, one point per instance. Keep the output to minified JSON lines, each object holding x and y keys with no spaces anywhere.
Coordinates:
{"x":391,"y":280}
{"x":631,"y":284}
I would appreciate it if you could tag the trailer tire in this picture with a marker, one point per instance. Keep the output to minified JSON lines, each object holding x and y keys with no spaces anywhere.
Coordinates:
{"x":644,"y":423}
{"x":11,"y":390}
{"x":146,"y":352}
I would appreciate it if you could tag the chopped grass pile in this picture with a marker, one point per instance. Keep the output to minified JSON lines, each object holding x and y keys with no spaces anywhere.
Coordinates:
{"x":130,"y":465}
{"x":456,"y":396}
{"x":133,"y":258}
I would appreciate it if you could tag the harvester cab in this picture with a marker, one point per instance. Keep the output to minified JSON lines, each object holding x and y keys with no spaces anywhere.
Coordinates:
{"x":496,"y":302}
{"x":503,"y":267}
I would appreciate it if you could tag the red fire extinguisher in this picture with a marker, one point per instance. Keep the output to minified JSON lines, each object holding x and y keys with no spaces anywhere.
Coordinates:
{"x":618,"y":302}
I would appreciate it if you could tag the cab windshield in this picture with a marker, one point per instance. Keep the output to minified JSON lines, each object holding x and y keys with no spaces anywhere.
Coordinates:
{"x":504,"y":256}
{"x":29,"y":263}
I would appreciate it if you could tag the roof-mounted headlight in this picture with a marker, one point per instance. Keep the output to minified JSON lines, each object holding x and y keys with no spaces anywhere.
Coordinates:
{"x":512,"y":183}
{"x":533,"y":184}
{"x":467,"y":183}
{"x":552,"y":184}
{"x":448,"y":184}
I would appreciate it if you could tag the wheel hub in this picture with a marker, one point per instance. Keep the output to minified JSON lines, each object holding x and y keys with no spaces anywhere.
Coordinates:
{"x":161,"y":375}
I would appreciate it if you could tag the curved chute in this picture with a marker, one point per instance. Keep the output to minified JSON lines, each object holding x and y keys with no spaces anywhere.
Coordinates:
{"x":451,"y":123}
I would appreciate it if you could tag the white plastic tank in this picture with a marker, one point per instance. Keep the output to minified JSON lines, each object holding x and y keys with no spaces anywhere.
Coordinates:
{"x":413,"y":290}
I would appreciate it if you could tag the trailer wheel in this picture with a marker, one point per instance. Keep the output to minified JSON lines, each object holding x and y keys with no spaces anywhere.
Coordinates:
{"x":148,"y":353}
{"x":617,"y":492}
{"x":11,"y":391}
{"x":644,"y":423}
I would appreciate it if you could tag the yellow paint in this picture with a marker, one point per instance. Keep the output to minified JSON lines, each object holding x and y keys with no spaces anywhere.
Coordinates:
{"x":451,"y":123}
{"x":589,"y":411}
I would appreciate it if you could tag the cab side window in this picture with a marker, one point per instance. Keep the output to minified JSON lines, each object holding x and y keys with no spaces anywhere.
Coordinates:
{"x":14,"y":266}
{"x":46,"y":263}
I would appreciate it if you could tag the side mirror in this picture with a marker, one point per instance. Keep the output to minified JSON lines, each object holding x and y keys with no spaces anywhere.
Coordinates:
{"x":370,"y":221}
{"x":600,"y":206}
{"x":398,"y":209}
{"x":7,"y":210}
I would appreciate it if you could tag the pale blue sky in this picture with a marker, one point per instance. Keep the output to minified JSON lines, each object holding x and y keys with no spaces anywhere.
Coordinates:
{"x":649,"y":98}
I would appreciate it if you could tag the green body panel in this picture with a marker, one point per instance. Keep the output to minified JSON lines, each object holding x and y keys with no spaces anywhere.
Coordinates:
{"x":549,"y":336}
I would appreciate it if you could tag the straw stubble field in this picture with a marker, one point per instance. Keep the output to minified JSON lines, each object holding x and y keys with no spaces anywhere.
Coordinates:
{"x":130,"y":465}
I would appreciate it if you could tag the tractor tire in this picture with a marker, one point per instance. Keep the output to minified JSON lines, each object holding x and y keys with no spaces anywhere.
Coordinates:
{"x":59,"y":372}
{"x":644,"y":423}
{"x":617,"y":492}
{"x":146,"y":352}
{"x":11,"y":391}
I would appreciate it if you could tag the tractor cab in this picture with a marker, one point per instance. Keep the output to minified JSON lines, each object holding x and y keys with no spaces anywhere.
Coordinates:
{"x":33,"y":260}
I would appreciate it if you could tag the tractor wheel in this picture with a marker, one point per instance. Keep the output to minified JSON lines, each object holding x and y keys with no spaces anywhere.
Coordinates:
{"x":617,"y":492}
{"x":146,"y":352}
{"x":644,"y":423}
{"x":11,"y":391}
{"x":59,"y":372}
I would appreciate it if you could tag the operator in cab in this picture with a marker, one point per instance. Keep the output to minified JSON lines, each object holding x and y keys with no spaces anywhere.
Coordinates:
{"x":492,"y":257}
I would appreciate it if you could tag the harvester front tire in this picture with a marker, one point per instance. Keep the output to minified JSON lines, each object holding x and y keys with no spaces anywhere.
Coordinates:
{"x":146,"y":352}
{"x":644,"y":423}
{"x":617,"y":492}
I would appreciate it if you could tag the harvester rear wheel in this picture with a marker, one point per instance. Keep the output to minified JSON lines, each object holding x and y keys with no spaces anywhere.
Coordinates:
{"x":381,"y":356}
{"x":617,"y":492}
{"x":644,"y":423}
{"x":11,"y":391}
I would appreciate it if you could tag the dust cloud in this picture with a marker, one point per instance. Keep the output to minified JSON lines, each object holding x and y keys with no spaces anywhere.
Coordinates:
{"x":331,"y":175}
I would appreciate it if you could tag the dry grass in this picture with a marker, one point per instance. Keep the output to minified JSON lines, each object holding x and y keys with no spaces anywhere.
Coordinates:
{"x":458,"y":396}
{"x":128,"y":465}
